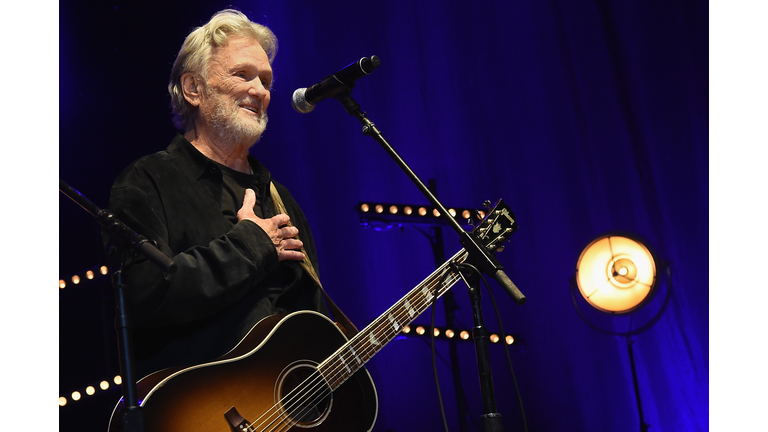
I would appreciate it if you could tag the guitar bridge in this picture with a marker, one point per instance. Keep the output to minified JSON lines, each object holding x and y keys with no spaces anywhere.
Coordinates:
{"x":237,"y":422}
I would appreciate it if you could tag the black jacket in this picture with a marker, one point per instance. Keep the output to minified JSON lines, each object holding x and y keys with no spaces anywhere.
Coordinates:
{"x":228,"y":274}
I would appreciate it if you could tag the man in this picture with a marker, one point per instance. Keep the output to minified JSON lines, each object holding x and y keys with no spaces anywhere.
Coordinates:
{"x":212,"y":207}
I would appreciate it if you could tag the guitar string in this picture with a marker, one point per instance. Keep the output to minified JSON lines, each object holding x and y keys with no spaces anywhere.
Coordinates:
{"x":314,"y":389}
{"x":310,"y":399}
{"x":378,"y":327}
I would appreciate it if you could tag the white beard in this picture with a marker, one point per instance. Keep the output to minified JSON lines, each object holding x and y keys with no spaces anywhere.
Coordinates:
{"x":229,"y":126}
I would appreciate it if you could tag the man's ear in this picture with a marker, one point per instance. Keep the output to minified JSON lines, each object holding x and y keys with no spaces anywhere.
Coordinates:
{"x":191,"y":87}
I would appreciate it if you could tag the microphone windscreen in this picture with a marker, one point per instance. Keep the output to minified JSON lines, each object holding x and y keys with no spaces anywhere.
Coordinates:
{"x":299,"y":101}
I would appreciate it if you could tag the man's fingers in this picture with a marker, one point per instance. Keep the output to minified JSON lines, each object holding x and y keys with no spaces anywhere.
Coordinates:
{"x":291,"y":244}
{"x":249,"y":200}
{"x":289,"y":232}
{"x":246,"y":211}
{"x":281,"y":220}
{"x":290,"y":255}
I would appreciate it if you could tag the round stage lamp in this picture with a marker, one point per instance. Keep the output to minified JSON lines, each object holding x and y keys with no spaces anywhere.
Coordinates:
{"x":616,"y":274}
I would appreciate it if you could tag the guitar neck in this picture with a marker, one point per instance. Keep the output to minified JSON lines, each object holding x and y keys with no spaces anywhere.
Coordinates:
{"x":353,"y":355}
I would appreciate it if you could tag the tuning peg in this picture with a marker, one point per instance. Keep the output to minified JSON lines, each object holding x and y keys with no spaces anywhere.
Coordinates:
{"x":487,"y":203}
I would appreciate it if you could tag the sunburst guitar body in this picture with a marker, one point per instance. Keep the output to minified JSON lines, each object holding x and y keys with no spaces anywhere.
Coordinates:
{"x":269,"y":382}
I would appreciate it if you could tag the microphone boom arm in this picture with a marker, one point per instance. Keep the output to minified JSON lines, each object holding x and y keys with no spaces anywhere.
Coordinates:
{"x":484,"y":260}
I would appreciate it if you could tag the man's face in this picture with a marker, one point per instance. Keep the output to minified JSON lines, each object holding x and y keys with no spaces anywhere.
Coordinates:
{"x":235,"y":99}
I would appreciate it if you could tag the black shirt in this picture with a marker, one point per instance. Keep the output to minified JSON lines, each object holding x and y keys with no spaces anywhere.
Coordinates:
{"x":228,"y":276}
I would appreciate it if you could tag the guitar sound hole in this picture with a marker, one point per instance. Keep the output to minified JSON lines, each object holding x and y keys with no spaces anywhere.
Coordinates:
{"x":303,"y":395}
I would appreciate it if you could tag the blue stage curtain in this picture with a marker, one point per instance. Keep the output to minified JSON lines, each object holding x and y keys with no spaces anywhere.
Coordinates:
{"x":586,"y":117}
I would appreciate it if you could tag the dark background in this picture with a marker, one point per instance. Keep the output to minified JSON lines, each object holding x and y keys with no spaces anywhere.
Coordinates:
{"x":586,"y":117}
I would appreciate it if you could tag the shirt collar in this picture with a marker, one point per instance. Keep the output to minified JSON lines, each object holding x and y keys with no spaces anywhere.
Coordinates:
{"x":197,"y":164}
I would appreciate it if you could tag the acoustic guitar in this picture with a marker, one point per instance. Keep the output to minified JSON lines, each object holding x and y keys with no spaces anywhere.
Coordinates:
{"x":295,"y":371}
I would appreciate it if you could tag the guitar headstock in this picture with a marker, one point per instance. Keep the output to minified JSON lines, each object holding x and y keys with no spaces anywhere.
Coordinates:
{"x":496,"y":227}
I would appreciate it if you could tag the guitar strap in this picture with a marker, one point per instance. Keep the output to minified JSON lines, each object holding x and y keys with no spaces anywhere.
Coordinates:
{"x":343,"y":322}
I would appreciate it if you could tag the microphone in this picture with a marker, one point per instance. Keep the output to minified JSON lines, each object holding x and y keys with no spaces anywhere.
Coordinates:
{"x":304,"y":99}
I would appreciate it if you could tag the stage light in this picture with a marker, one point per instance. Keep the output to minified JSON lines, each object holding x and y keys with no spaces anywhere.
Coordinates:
{"x":615,"y":274}
{"x":90,"y":274}
{"x":373,"y":213}
{"x":447,"y":333}
{"x":89,"y":390}
{"x":118,"y":380}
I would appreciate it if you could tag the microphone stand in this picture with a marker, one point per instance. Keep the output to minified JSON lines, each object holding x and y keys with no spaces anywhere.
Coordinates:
{"x":478,"y":255}
{"x":132,"y":420}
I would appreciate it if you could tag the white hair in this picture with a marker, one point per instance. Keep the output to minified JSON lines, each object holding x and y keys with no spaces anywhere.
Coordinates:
{"x":195,"y":55}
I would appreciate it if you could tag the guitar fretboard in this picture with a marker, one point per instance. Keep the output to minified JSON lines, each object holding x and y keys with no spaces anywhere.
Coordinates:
{"x":353,"y":355}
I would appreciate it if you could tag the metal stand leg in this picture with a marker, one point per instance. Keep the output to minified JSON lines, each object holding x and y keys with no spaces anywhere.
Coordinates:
{"x":643,"y":425}
{"x":490,"y":420}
